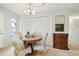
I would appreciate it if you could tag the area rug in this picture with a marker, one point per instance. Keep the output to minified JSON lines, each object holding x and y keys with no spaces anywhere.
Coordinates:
{"x":36,"y":53}
{"x":56,"y":52}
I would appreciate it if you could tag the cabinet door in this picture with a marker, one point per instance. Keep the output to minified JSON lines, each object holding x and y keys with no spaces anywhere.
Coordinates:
{"x":64,"y":42}
{"x":57,"y":41}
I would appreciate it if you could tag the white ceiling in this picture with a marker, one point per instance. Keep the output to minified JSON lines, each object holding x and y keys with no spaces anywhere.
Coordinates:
{"x":19,"y":7}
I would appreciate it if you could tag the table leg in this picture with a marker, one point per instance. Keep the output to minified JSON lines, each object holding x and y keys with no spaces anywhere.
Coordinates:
{"x":33,"y":52}
{"x":31,"y":48}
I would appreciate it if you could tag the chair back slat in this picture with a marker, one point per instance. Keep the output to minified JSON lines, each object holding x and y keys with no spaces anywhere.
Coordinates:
{"x":45,"y":38}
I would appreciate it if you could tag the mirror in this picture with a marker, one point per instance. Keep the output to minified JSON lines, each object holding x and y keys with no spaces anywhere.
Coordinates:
{"x":59,"y":23}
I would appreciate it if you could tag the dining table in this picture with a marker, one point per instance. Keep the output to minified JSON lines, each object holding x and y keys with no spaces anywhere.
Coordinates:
{"x":30,"y":42}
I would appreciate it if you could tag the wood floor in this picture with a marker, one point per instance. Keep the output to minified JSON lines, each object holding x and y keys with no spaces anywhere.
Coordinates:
{"x":73,"y":46}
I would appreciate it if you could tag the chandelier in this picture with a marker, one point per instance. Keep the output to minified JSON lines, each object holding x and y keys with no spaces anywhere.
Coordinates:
{"x":30,"y":10}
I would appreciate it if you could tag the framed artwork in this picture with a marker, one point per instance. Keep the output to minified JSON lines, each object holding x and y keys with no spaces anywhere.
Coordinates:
{"x":59,"y":23}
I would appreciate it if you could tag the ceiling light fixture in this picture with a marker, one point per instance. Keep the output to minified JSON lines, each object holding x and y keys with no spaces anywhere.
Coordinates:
{"x":30,"y":10}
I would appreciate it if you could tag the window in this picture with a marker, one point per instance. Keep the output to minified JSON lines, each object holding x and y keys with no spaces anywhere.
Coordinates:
{"x":13,"y":26}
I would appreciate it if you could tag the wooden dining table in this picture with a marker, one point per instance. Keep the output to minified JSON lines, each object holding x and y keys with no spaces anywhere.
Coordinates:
{"x":30,"y":42}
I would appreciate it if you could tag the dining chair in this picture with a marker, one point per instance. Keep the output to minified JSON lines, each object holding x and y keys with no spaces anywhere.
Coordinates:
{"x":19,"y":44}
{"x":36,"y":34}
{"x":41,"y":45}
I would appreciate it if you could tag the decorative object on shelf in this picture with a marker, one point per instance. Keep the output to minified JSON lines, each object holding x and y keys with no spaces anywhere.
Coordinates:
{"x":30,"y":10}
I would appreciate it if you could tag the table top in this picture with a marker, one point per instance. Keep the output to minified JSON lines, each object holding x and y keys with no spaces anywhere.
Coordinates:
{"x":32,"y":39}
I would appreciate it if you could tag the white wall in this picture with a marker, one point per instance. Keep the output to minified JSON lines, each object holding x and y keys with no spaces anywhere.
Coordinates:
{"x":74,"y":28}
{"x":5,"y":18}
{"x":1,"y":28}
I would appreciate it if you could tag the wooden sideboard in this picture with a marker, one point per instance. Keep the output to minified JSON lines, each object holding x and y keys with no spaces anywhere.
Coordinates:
{"x":60,"y":41}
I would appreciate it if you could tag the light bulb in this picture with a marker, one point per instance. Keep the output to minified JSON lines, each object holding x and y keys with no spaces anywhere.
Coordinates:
{"x":29,"y":11}
{"x":25,"y":11}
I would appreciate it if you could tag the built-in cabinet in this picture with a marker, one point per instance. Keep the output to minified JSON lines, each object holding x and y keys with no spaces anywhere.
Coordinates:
{"x":60,"y":37}
{"x":60,"y":41}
